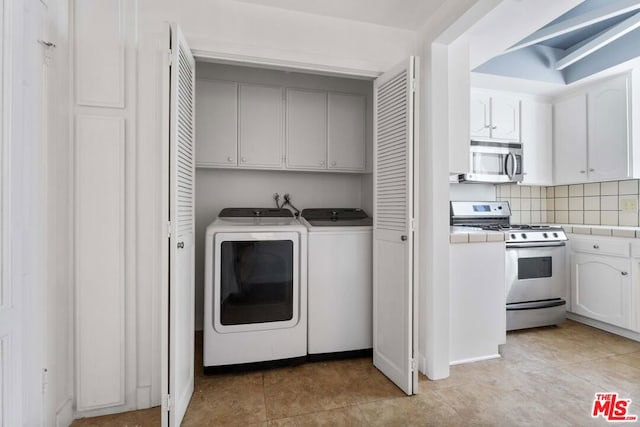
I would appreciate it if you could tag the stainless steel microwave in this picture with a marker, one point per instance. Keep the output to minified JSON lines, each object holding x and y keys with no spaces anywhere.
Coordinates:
{"x":494,"y":162}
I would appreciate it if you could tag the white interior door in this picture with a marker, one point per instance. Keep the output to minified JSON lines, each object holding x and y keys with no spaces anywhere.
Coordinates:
{"x":178,"y":374}
{"x":393,"y":288}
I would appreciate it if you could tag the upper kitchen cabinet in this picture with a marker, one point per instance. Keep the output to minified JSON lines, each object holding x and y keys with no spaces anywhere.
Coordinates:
{"x":217,"y":123}
{"x":592,"y":134}
{"x":347,"y":135}
{"x":260,"y":130}
{"x":608,"y":130}
{"x":570,"y":140}
{"x":306,"y":129}
{"x":494,"y":117}
{"x":537,"y":142}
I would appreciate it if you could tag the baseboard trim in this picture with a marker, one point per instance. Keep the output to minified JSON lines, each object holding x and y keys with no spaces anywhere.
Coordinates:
{"x":475,"y":359}
{"x":64,"y":414}
{"x":604,"y":326}
{"x":143,"y":397}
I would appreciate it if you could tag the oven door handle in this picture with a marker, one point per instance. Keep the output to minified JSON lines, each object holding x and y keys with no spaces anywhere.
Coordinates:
{"x":533,"y":305}
{"x":535,"y":245}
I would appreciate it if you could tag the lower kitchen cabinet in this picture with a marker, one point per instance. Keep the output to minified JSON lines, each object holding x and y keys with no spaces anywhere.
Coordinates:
{"x":601,"y":288}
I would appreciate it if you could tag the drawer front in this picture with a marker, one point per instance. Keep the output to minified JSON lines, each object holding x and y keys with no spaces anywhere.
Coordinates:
{"x":613,"y":247}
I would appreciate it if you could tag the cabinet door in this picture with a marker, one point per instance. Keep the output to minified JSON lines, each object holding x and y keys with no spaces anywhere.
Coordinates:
{"x":260,"y":126}
{"x":347,"y":121}
{"x":216,"y":123}
{"x":537,"y":142}
{"x":306,"y":129}
{"x":601,"y":288}
{"x":609,"y":154}
{"x":570,"y":140}
{"x":635,"y":295}
{"x":505,"y":118}
{"x":480,"y":116}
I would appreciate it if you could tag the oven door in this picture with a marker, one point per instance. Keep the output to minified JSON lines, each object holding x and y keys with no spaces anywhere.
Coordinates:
{"x":535,"y":272}
{"x":256,"y":281}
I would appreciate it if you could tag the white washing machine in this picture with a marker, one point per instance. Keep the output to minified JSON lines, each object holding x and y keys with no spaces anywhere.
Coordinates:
{"x":255,"y":289}
{"x":340,"y":282}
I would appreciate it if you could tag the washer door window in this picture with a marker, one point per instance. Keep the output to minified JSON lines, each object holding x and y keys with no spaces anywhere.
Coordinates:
{"x":256,"y":281}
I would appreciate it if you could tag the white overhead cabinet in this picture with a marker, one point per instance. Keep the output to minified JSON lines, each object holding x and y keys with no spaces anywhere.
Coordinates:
{"x":570,"y":140}
{"x":347,"y":120}
{"x":609,"y":153}
{"x":537,"y":142}
{"x":592,"y":134}
{"x":260,"y":130}
{"x":255,"y":126}
{"x":494,"y":117}
{"x":217,"y":121}
{"x":306,"y":129}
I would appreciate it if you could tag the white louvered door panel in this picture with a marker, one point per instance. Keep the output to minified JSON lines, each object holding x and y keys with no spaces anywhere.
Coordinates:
{"x":393,"y":290}
{"x":181,"y":241}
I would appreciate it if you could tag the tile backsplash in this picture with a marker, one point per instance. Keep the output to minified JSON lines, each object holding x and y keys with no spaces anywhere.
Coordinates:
{"x":598,"y":203}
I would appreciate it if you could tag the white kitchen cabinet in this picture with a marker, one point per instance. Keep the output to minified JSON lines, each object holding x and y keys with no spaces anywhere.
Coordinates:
{"x":347,"y":135}
{"x":608,"y":130}
{"x":260,"y":126}
{"x":495,"y":117}
{"x":480,"y":115}
{"x":570,"y":140}
{"x":601,"y":288}
{"x":537,"y":142}
{"x":216,"y":123}
{"x":306,"y":124}
{"x":592,"y":134}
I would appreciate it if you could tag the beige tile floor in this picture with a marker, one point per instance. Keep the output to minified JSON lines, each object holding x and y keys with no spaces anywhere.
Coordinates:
{"x":546,"y":377}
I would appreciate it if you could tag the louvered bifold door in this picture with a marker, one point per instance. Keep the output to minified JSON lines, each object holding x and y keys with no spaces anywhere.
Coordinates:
{"x":181,"y":217}
{"x":393,"y":293}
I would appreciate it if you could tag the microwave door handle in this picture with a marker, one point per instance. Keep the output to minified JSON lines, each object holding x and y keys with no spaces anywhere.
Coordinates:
{"x":506,"y":165}
{"x":515,"y":165}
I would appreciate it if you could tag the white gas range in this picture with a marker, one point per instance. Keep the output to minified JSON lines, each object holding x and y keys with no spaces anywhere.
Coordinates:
{"x":536,"y":280}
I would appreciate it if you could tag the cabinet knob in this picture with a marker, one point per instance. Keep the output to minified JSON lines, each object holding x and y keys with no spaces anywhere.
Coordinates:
{"x":596,"y":247}
{"x":592,"y":170}
{"x":494,"y":127}
{"x":333,"y":163}
{"x":243,"y":159}
{"x":229,"y":159}
{"x":322,"y":163}
{"x":583,"y":171}
{"x":624,"y":273}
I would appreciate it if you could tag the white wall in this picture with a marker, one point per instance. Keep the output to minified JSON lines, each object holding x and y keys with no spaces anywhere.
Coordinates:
{"x":252,"y":32}
{"x":218,"y":188}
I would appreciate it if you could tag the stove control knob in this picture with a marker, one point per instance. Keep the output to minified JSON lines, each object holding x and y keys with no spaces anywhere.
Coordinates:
{"x":513,"y":236}
{"x":555,"y":235}
{"x":524,"y":236}
{"x":545,"y":235}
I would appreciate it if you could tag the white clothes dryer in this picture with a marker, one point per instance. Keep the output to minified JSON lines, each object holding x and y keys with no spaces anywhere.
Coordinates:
{"x":340,"y":282}
{"x":255,"y":289}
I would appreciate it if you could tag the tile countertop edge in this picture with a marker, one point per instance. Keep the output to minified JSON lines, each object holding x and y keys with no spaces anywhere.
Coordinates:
{"x":602,"y":230}
{"x":471,"y":235}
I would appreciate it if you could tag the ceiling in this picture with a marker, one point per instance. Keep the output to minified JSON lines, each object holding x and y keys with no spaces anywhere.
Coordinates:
{"x":590,"y":38}
{"x":403,"y":14}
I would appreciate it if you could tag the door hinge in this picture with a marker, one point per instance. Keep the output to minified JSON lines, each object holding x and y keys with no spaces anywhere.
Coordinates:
{"x":412,"y":364}
{"x":45,"y":380}
{"x":169,"y":229}
{"x":412,"y":224}
{"x":168,"y":402}
{"x":170,"y":53}
{"x":413,"y":85}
